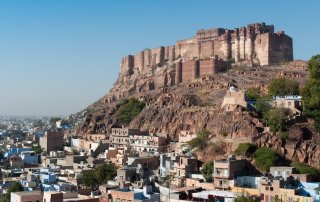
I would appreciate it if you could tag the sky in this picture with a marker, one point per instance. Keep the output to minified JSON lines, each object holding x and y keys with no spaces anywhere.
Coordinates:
{"x":59,"y":56}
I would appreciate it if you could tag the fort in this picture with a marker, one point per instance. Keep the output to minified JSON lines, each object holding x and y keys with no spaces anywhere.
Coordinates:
{"x":210,"y":51}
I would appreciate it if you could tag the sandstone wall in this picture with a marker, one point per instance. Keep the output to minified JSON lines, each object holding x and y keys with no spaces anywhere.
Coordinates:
{"x":187,"y":70}
{"x":280,"y":48}
{"x":127,"y":64}
{"x":261,"y":44}
{"x":254,"y":44}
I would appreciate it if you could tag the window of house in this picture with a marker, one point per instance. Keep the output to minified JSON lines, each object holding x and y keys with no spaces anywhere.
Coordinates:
{"x":123,"y":200}
{"x":271,"y":188}
{"x":267,"y":188}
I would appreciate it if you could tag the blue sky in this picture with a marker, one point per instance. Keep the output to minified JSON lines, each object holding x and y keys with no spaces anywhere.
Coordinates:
{"x":59,"y":56}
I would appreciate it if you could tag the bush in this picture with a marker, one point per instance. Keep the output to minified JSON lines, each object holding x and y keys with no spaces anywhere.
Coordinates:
{"x":283,"y":86}
{"x":262,"y":104}
{"x":244,"y":198}
{"x":311,"y":92}
{"x":101,"y":174}
{"x":37,"y":149}
{"x":245,"y":149}
{"x":265,"y":157}
{"x":284,"y":135}
{"x":276,"y":119}
{"x":314,"y":67}
{"x":303,"y":168}
{"x":207,"y":170}
{"x":200,"y":141}
{"x":129,"y":109}
{"x":252,"y":93}
{"x":14,"y":187}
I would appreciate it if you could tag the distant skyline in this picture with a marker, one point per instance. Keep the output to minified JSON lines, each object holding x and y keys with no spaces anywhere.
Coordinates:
{"x":59,"y":56}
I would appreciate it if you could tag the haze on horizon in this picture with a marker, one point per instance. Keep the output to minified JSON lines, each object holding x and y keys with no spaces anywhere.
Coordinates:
{"x":57,"y":57}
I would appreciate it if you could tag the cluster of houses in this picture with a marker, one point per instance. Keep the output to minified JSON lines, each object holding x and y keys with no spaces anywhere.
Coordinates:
{"x":149,"y":168}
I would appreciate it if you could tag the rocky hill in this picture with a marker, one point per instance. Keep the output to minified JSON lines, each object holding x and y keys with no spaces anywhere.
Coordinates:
{"x":183,"y":87}
{"x":196,"y":104}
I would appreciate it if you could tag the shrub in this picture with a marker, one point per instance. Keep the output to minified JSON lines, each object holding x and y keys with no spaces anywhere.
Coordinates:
{"x":14,"y":187}
{"x":252,"y":93}
{"x":129,"y":110}
{"x":276,"y":119}
{"x":244,"y":198}
{"x":284,"y":135}
{"x":245,"y":149}
{"x":207,"y":170}
{"x":283,"y":86}
{"x":200,"y":141}
{"x":265,"y":157}
{"x":314,"y":67}
{"x":303,"y":168}
{"x":103,"y":173}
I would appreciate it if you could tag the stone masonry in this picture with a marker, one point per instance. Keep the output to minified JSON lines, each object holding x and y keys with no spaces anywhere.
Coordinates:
{"x":209,"y":51}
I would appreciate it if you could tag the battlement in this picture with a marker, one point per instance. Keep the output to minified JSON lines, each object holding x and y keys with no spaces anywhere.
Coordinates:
{"x":255,"y":44}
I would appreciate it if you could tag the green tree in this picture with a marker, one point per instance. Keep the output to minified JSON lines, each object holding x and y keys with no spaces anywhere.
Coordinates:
{"x":303,"y":168}
{"x":246,"y":149}
{"x":262,"y":104}
{"x":265,"y":157}
{"x":14,"y":187}
{"x":129,"y":110}
{"x":200,"y":141}
{"x":252,"y":93}
{"x":314,"y":67}
{"x":276,"y":119}
{"x":37,"y":149}
{"x":311,"y":100}
{"x":101,"y":174}
{"x":283,"y":86}
{"x":207,"y":170}
{"x":105,"y":172}
{"x":89,"y":179}
{"x":311,"y":92}
{"x":244,"y":198}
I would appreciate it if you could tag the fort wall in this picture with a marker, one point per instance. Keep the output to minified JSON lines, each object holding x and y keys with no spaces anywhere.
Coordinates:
{"x":254,"y":44}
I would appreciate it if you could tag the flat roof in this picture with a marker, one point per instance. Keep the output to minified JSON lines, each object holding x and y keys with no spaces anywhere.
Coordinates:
{"x":23,"y":193}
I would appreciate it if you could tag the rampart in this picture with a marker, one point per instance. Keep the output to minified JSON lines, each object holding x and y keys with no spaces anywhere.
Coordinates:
{"x":209,"y":51}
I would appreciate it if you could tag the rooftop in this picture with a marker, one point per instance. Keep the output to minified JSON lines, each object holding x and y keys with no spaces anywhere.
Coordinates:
{"x":24,"y":193}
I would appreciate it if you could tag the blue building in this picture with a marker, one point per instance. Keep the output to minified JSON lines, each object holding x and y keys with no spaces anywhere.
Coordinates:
{"x":15,"y":151}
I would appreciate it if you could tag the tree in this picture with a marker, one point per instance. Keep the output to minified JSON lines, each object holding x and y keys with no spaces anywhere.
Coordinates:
{"x":265,"y":157}
{"x":262,"y":104}
{"x":244,"y":198}
{"x":252,"y":93}
{"x":303,"y":168}
{"x":37,"y":149}
{"x":101,"y":174}
{"x":207,"y":170}
{"x":14,"y":187}
{"x":276,"y":119}
{"x":246,"y":149}
{"x":314,"y":67}
{"x":89,"y":180}
{"x":105,"y":172}
{"x":311,"y":92}
{"x":129,"y":110}
{"x":201,"y":140}
{"x":283,"y":86}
